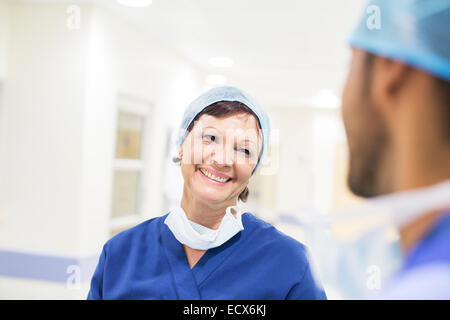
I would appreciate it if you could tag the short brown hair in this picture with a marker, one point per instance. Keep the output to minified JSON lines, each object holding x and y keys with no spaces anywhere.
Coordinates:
{"x":222,"y":109}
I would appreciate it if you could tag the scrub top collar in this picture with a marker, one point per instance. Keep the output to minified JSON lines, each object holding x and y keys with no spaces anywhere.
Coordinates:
{"x":187,"y":280}
{"x":434,"y":248}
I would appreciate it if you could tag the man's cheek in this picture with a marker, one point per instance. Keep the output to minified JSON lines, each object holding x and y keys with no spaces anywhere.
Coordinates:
{"x":345,"y":103}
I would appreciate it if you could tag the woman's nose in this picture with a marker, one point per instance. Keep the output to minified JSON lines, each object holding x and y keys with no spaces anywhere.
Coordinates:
{"x":223,"y":155}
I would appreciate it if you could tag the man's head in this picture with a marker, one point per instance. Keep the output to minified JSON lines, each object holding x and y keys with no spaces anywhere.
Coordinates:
{"x":395,"y":103}
{"x":397,"y":118}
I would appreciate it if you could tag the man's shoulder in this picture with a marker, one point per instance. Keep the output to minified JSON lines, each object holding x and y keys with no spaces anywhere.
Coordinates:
{"x":430,"y":281}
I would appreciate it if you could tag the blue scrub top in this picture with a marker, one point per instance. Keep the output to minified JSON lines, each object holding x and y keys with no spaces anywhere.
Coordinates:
{"x":426,"y":271}
{"x":258,"y":263}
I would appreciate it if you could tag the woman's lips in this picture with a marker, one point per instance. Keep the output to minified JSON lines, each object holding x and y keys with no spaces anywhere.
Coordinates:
{"x":216,"y":173}
{"x":212,"y":178}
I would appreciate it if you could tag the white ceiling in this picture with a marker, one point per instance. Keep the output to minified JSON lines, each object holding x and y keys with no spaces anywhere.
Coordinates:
{"x":285,"y":51}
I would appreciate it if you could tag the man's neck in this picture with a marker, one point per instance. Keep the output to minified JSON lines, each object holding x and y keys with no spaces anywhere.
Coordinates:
{"x":419,"y":167}
{"x":416,"y":230}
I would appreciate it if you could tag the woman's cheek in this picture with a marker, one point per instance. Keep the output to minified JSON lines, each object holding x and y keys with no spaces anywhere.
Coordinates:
{"x":197,"y":156}
{"x":243,"y":172}
{"x":193,"y":154}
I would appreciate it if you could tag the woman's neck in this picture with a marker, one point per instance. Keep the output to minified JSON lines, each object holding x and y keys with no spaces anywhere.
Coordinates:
{"x":203,"y":214}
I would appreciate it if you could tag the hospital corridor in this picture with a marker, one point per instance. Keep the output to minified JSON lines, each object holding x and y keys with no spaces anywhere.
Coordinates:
{"x":98,"y":101}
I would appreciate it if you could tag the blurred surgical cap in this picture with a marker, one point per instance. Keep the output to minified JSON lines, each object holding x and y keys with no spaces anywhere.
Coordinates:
{"x":226,"y":93}
{"x":416,"y":32}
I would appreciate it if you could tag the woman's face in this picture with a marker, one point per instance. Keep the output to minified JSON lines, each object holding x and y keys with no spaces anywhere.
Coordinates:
{"x":219,"y":156}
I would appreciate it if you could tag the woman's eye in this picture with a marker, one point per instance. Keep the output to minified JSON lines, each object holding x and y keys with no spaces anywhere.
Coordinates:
{"x":209,"y":137}
{"x":246,"y":151}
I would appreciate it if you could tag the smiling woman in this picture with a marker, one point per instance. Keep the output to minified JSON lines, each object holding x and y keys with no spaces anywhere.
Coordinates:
{"x":206,"y":247}
{"x":233,"y":124}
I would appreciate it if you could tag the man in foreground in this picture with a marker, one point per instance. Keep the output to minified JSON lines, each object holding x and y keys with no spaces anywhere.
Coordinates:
{"x":396,"y":111}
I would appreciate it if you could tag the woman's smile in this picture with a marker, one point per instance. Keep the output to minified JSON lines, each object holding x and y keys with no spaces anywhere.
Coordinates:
{"x":214,"y":177}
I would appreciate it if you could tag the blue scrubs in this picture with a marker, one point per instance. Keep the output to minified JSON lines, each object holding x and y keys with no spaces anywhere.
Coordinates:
{"x":147,"y":262}
{"x":426,"y":272}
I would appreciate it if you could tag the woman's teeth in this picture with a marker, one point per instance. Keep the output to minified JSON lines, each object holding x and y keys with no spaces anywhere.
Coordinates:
{"x":213,"y":177}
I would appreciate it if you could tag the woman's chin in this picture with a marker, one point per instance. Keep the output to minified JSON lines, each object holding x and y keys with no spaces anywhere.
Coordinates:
{"x":210,"y":197}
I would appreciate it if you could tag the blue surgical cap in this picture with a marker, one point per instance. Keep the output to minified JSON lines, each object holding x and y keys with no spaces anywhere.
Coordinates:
{"x":231,"y":94}
{"x":416,"y":32}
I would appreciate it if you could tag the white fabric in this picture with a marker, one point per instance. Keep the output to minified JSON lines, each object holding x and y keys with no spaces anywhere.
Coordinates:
{"x":200,"y":237}
{"x":356,"y":265}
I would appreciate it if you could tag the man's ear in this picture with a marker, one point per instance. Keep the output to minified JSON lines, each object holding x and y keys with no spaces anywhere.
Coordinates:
{"x":389,"y":79}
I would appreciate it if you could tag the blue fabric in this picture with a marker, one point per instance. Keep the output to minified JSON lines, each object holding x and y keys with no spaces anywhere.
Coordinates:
{"x":225,"y":93}
{"x":426,"y":271}
{"x":435,"y":247}
{"x":259,"y":263}
{"x":415,"y":32}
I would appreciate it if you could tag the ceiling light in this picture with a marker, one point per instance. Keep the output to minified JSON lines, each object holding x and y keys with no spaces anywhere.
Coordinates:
{"x":326,"y":98}
{"x":135,"y":3}
{"x":221,"y":62}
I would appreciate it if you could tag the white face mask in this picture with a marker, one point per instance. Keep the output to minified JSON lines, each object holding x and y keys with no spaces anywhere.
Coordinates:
{"x":357,"y":251}
{"x":199,"y":237}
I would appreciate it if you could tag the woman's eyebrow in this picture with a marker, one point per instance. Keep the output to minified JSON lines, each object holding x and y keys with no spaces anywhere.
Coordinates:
{"x":248,"y":140}
{"x":211,"y":127}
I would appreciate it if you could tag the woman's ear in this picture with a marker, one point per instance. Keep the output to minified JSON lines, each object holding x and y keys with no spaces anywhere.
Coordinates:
{"x":179,"y":158}
{"x":244,"y":194}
